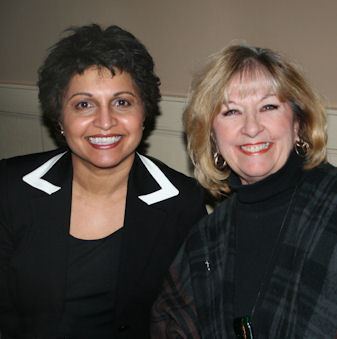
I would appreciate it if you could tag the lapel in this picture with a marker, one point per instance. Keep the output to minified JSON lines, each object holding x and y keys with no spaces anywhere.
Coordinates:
{"x":142,"y":227}
{"x":146,"y":204}
{"x":51,"y":219}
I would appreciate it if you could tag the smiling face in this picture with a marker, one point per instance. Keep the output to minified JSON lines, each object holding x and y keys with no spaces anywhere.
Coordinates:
{"x":254,"y":130}
{"x":102,"y":118}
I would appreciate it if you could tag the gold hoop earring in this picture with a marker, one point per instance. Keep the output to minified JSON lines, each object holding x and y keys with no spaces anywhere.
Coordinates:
{"x":219,"y":162}
{"x":301,"y":148}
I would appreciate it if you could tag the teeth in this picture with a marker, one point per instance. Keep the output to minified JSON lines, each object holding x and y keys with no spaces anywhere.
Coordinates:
{"x":255,"y":148}
{"x":104,"y":140}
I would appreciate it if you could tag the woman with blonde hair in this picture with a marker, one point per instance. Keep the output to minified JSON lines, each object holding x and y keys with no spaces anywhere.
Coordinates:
{"x":264,"y":263}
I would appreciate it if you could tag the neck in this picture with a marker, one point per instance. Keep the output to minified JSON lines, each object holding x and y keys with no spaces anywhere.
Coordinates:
{"x":100,"y":181}
{"x":275,"y":186}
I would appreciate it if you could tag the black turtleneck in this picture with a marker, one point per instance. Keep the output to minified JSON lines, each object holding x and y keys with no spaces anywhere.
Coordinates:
{"x":260,"y":212}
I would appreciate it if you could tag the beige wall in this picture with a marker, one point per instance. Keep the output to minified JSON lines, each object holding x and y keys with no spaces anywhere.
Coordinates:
{"x":178,"y":33}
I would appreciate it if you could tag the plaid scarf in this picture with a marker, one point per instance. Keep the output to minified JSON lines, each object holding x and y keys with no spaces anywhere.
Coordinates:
{"x":299,"y":299}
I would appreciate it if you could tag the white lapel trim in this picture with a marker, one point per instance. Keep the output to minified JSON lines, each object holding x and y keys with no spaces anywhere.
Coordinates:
{"x":166,"y":191}
{"x":34,"y":178}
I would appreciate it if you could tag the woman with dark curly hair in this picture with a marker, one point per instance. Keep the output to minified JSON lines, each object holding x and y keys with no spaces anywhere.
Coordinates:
{"x":264,"y":263}
{"x":87,"y":231}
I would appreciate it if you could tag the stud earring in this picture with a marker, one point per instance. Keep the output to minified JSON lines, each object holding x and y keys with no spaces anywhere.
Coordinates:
{"x":61,"y":129}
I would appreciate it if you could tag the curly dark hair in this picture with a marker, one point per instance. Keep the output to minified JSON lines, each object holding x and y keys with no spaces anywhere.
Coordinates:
{"x":87,"y":46}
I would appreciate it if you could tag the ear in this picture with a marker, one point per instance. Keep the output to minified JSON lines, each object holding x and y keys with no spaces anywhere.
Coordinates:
{"x":296,"y":130}
{"x":213,"y":138}
{"x":61,"y":128}
{"x":214,"y":144}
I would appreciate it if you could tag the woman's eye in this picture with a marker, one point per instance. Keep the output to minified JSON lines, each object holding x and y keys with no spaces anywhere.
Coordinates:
{"x":82,"y":105}
{"x":269,"y":107}
{"x":122,"y":103}
{"x":230,"y":112}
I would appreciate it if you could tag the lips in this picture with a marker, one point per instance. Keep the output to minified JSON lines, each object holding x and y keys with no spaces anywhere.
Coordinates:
{"x":104,"y":141}
{"x":254,"y":149}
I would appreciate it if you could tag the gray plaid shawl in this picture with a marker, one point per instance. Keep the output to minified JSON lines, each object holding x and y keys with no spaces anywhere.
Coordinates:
{"x":299,"y":299}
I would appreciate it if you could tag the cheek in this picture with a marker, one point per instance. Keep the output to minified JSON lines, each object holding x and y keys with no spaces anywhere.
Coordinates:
{"x":223,"y":134}
{"x":134,"y":122}
{"x":133,"y":126}
{"x":74,"y":126}
{"x":280,"y":126}
{"x":288,"y":130}
{"x":66,"y":119}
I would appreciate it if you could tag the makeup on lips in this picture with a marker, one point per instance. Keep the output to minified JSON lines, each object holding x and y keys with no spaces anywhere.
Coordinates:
{"x":256,"y":149}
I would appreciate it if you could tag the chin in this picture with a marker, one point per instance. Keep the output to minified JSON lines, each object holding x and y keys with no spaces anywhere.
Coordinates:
{"x":255,"y":176}
{"x":113,"y":162}
{"x":107,"y":163}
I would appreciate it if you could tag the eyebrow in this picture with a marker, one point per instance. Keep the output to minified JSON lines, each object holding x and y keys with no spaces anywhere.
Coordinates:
{"x":269,"y":95}
{"x":79,"y":93}
{"x":91,"y":95}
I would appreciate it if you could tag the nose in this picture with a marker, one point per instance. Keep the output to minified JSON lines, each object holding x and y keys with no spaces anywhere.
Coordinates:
{"x":252,"y":126}
{"x":105,"y":119}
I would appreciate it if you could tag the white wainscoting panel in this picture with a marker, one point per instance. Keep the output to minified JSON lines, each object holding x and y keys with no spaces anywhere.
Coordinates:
{"x":332,"y":136}
{"x":22,"y":132}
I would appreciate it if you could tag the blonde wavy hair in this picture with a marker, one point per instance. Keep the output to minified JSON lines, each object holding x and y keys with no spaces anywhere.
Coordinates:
{"x":209,"y":91}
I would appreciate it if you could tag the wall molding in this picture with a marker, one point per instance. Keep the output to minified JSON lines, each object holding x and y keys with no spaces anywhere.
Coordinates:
{"x":22,"y":132}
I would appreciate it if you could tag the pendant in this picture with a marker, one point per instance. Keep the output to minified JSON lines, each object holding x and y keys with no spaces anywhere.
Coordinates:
{"x":243,"y":328}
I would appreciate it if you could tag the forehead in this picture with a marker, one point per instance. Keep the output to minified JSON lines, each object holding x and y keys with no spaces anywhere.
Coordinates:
{"x":95,"y":77}
{"x":249,"y":83}
{"x":95,"y":71}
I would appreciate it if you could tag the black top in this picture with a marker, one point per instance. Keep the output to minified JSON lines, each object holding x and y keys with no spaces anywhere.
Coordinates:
{"x":91,"y":285}
{"x":34,"y":241}
{"x":260,"y":211}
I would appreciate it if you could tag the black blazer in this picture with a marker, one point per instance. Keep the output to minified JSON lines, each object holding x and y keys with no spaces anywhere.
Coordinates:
{"x":161,"y":206}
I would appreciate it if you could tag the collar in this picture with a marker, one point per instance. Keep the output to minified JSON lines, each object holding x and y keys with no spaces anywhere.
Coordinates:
{"x":271,"y":187}
{"x":166,"y":189}
{"x":35,"y":180}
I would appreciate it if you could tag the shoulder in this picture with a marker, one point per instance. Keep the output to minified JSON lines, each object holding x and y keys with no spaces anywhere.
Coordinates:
{"x":322,"y":177}
{"x":221,"y":212}
{"x":15,"y":193}
{"x":162,"y":187}
{"x":14,"y":170}
{"x":207,"y":243}
{"x":324,"y":169}
{"x":169,"y":171}
{"x":20,"y":165}
{"x":183,"y":182}
{"x":316,"y":199}
{"x":214,"y":226}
